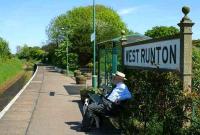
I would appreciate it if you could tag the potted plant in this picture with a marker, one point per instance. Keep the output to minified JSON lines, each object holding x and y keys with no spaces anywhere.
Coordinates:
{"x":81,"y":79}
{"x":77,"y":73}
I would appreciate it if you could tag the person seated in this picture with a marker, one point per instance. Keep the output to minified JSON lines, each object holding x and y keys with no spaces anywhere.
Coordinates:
{"x":108,"y":103}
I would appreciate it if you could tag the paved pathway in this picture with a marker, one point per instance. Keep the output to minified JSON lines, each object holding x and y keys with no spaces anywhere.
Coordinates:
{"x":37,"y":113}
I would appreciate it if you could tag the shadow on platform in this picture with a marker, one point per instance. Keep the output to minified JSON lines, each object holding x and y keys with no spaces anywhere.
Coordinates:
{"x":73,"y":89}
{"x":104,"y":130}
{"x":106,"y":127}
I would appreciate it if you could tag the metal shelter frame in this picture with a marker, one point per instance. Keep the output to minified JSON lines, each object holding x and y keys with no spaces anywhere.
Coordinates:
{"x":109,"y":56}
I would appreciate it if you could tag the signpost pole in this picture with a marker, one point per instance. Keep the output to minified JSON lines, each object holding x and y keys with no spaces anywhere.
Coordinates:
{"x":67,"y":51}
{"x":186,"y":57}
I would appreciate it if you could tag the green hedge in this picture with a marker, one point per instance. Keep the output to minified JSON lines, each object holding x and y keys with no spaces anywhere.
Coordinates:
{"x":158,"y":102}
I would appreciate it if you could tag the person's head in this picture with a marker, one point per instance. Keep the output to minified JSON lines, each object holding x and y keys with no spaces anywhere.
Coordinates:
{"x":118,"y":77}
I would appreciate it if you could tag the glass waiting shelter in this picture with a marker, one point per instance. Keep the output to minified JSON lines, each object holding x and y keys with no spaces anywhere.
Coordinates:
{"x":109,"y":57}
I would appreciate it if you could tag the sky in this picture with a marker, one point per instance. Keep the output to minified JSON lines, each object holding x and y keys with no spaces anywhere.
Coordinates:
{"x":25,"y":21}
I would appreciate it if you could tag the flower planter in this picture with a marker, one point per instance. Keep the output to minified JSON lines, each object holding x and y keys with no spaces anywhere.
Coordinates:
{"x":77,"y":73}
{"x":80,"y":79}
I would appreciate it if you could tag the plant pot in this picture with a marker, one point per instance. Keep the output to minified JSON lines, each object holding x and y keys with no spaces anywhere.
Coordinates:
{"x":80,"y":79}
{"x":77,"y":73}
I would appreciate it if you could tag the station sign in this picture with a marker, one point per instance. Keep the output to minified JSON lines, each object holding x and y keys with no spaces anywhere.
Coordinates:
{"x":163,"y":54}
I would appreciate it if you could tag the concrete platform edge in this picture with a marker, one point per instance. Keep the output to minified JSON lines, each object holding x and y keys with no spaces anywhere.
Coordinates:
{"x":2,"y":113}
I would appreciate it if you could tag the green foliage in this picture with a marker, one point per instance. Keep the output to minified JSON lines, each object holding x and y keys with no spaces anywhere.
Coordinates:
{"x":159,"y":100}
{"x":155,"y":126}
{"x":90,"y":65}
{"x":29,"y":53}
{"x":9,"y":68}
{"x":78,"y":28}
{"x":4,"y":49}
{"x":24,"y":53}
{"x":162,"y":31}
{"x":196,"y":43}
{"x":196,"y":69}
{"x":36,"y":53}
{"x":73,"y":60}
{"x":50,"y":53}
{"x":196,"y":90}
{"x":61,"y":57}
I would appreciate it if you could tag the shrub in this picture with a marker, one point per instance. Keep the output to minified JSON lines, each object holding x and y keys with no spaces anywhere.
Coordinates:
{"x":159,"y":100}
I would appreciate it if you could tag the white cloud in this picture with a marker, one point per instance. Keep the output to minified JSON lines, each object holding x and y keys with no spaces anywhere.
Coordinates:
{"x":127,"y":11}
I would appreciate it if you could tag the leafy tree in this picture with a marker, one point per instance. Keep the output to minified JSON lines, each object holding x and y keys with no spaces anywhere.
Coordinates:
{"x":78,"y":27}
{"x":50,"y":52}
{"x":28,"y":53}
{"x":61,"y":57}
{"x":4,"y":49}
{"x":162,"y":31}
{"x":24,"y":52}
{"x":36,"y":53}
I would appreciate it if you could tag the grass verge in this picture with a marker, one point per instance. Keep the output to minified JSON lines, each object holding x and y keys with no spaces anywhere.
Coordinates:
{"x":9,"y":69}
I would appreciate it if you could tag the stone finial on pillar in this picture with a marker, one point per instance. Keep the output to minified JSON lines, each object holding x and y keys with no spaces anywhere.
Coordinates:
{"x":186,"y":48}
{"x":186,"y":10}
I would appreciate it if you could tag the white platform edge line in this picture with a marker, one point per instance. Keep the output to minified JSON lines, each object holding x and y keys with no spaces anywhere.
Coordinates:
{"x":17,"y":96}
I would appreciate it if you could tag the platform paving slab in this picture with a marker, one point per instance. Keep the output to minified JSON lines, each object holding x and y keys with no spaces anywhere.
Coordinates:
{"x":36,"y":112}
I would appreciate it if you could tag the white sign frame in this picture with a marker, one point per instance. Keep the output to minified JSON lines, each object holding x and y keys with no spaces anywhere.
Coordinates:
{"x":163,"y":54}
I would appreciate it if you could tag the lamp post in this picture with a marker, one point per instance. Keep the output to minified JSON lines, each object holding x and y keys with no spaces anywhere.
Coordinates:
{"x":67,"y":68}
{"x":94,"y":76}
